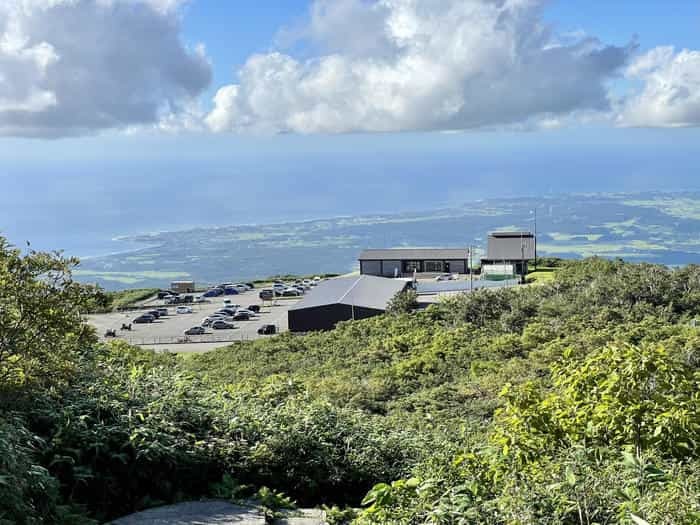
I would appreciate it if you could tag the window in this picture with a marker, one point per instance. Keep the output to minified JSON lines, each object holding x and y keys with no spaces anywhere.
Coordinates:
{"x":434,"y":266}
{"x":411,"y":266}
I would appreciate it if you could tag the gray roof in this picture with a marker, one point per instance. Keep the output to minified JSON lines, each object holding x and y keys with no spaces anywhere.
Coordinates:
{"x":414,"y":254}
{"x":510,"y":246}
{"x":511,"y":234}
{"x":359,"y":290}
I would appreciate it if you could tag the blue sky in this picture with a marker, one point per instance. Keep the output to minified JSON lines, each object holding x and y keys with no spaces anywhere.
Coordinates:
{"x":142,"y":131}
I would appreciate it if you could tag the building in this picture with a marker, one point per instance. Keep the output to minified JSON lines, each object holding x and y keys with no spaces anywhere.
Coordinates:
{"x":182,"y":286}
{"x":402,"y":262}
{"x":510,"y":248}
{"x":342,"y":299}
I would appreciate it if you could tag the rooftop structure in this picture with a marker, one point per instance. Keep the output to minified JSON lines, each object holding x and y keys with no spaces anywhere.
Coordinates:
{"x":342,"y":299}
{"x":400,"y":262}
{"x":510,"y":247}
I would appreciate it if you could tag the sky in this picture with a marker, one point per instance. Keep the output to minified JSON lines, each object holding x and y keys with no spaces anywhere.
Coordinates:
{"x":124,"y":116}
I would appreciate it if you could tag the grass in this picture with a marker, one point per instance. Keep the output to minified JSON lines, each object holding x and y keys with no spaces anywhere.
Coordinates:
{"x":622,"y":228}
{"x":541,"y":275}
{"x":124,"y":298}
{"x":682,"y":208}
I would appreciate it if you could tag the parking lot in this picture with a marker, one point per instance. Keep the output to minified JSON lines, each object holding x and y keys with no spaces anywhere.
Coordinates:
{"x":168,"y":332}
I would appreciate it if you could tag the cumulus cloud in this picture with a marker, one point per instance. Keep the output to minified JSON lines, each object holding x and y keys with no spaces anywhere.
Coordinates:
{"x":79,"y":66}
{"x":395,"y":65}
{"x":670,"y":92}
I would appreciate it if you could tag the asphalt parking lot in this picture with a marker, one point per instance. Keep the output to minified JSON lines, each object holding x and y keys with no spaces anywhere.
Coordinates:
{"x":168,"y":332}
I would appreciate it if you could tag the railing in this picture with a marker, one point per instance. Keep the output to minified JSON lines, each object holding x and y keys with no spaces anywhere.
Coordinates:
{"x":186,"y":339}
{"x":436,"y":287}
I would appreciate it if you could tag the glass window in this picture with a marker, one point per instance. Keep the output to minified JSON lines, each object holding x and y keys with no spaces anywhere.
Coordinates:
{"x":410,"y":266}
{"x":434,"y":266}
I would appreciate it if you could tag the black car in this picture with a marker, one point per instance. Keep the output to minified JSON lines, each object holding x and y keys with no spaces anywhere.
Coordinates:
{"x":266,"y":295}
{"x":143,"y":319}
{"x":267,"y":329}
{"x":162,"y":311}
{"x":227,"y":311}
{"x":254,"y":308}
{"x":154,"y":313}
{"x":165,"y":294}
{"x":241,"y":316}
{"x":221,"y":325}
{"x":195,"y":330}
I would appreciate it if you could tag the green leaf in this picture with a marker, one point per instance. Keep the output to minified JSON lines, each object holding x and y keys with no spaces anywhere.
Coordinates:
{"x":638,"y":520}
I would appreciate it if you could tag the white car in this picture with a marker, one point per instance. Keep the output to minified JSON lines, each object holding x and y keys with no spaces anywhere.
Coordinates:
{"x":246,"y":311}
{"x":445,"y":277}
{"x":183,"y":310}
{"x":228,"y":303}
{"x":207,"y":321}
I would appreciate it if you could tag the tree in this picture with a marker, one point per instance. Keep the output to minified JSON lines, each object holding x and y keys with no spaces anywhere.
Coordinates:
{"x":404,"y":301}
{"x":41,"y":329}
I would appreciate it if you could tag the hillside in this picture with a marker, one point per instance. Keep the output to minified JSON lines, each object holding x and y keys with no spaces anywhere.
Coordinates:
{"x":570,"y":401}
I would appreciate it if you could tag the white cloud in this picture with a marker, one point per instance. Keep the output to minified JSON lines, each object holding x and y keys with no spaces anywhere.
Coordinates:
{"x":79,"y":66}
{"x":670,"y":93}
{"x":395,"y":65}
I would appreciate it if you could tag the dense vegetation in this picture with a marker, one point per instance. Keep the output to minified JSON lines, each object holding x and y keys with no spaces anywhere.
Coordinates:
{"x":571,"y":401}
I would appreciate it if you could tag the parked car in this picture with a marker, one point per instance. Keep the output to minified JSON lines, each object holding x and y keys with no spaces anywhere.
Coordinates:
{"x":163,"y":311}
{"x":214,"y":292}
{"x":241,"y":316}
{"x":183,"y":310}
{"x":163,"y":294}
{"x":254,"y":308}
{"x":154,"y":313}
{"x":267,"y":329}
{"x":188,"y":299}
{"x":221,"y":325}
{"x":245,"y":311}
{"x":267,"y":294}
{"x":250,"y":285}
{"x":228,"y":303}
{"x":207,"y":321}
{"x":226,"y":311}
{"x":241,"y":288}
{"x":445,"y":277}
{"x":195,"y":330}
{"x":145,"y":318}
{"x":230,"y":290}
{"x":291,"y":292}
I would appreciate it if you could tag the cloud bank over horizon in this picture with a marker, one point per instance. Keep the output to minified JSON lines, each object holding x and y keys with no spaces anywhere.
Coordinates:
{"x":80,"y":67}
{"x":76,"y":67}
{"x":407,"y":65}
